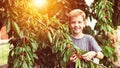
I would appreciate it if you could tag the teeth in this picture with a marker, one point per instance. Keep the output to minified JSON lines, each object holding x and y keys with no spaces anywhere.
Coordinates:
{"x":76,"y":28}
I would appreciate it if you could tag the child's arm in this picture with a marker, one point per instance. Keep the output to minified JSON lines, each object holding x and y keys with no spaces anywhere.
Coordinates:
{"x":91,"y":54}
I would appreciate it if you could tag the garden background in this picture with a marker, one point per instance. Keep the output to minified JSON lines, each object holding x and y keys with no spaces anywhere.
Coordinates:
{"x":37,"y":32}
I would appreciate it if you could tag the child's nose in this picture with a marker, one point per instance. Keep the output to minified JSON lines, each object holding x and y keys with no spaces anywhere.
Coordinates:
{"x":76,"y":24}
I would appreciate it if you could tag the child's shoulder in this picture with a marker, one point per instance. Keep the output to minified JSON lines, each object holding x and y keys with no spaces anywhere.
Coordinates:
{"x":88,"y":36}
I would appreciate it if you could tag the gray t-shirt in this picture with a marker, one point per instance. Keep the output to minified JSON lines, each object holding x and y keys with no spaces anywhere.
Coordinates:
{"x":87,"y":43}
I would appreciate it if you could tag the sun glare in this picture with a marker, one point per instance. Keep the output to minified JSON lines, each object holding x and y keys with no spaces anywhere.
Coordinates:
{"x":39,"y":3}
{"x":89,"y":2}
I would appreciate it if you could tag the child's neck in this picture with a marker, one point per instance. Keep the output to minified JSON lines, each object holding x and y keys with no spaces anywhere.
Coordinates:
{"x":77,"y":36}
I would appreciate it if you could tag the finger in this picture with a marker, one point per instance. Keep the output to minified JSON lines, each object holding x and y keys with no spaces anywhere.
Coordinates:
{"x":87,"y":58}
{"x":84,"y":55}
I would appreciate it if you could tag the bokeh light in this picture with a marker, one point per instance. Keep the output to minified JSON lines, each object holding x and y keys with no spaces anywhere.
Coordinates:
{"x":39,"y":3}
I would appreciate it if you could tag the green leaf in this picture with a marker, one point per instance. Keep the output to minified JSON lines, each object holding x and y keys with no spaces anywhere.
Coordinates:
{"x":16,"y":63}
{"x":49,"y":37}
{"x":34,"y":46}
{"x":35,"y":56}
{"x":52,"y":31}
{"x":8,"y":26}
{"x":17,"y":29}
{"x":15,"y":13}
{"x":92,"y":65}
{"x":107,"y":51}
{"x":110,"y":50}
{"x":9,"y":2}
{"x":78,"y":63}
{"x":18,"y":50}
{"x":25,"y":65}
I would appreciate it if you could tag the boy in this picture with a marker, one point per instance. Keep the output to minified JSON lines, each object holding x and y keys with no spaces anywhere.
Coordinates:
{"x":85,"y":42}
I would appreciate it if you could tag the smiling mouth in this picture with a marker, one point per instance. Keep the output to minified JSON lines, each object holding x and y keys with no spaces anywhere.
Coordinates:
{"x":77,"y":28}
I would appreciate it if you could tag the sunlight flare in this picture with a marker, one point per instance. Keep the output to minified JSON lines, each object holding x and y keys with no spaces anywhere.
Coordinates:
{"x":39,"y":3}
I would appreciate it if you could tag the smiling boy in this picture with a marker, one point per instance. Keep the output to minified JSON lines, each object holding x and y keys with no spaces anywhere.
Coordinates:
{"x":85,"y":42}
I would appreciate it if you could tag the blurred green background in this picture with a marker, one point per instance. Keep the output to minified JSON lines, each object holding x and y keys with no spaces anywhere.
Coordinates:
{"x":4,"y":50}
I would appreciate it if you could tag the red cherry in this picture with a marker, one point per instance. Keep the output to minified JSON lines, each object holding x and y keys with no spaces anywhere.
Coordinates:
{"x":106,"y":16}
{"x":105,"y":10}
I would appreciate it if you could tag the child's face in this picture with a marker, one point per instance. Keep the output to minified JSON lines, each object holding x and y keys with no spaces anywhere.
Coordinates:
{"x":77,"y":24}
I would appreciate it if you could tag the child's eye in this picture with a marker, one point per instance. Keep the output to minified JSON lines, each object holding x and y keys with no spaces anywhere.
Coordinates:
{"x":73,"y":22}
{"x":79,"y":22}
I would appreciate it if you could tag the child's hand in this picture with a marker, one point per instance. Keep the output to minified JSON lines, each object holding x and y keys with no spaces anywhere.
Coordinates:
{"x":73,"y":58}
{"x":89,"y":55}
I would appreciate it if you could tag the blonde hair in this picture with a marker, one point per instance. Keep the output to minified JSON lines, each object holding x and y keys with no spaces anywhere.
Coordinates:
{"x":75,"y":13}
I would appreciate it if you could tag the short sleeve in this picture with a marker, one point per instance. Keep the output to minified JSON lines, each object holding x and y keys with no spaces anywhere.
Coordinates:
{"x":93,"y":44}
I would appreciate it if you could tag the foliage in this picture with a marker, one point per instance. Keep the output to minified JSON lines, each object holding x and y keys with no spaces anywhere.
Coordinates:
{"x":104,"y":12}
{"x":116,"y":14}
{"x":105,"y":25}
{"x":4,"y":50}
{"x":32,"y":30}
{"x":39,"y":37}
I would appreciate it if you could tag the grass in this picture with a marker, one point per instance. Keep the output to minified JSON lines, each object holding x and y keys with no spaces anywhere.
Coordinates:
{"x":4,"y":50}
